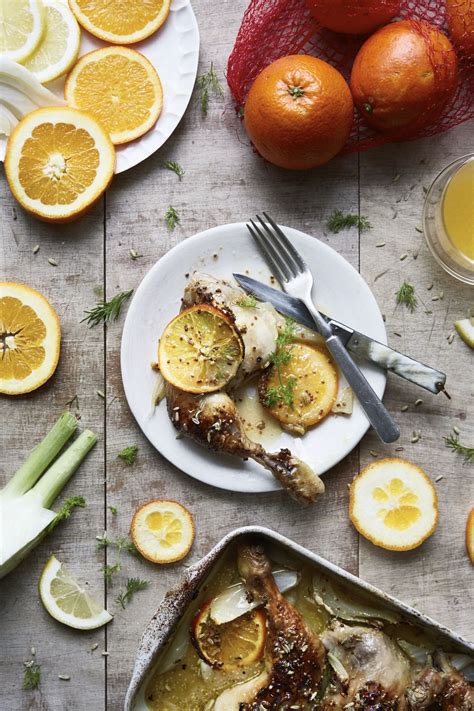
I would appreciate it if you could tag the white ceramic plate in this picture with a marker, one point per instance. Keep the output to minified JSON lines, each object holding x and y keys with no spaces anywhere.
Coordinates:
{"x":340,"y":292}
{"x":174,"y":52}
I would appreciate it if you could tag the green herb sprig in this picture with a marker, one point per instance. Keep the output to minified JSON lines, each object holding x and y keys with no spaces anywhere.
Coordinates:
{"x":452,"y":441}
{"x":172,"y":218}
{"x":66,"y":509}
{"x":129,"y":454}
{"x":113,"y":510}
{"x":206,"y":84}
{"x":175,"y":168}
{"x":339,"y":221}
{"x":247,"y":302}
{"x":406,"y":296}
{"x":133,"y":586}
{"x":120,"y":544}
{"x":31,"y":675}
{"x":283,"y":392}
{"x":106,"y":311}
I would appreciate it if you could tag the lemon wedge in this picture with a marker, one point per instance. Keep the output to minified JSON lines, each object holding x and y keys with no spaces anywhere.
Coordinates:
{"x":68,"y":601}
{"x":59,"y":45}
{"x":465,"y":328}
{"x":394,"y":504}
{"x":21,"y":27}
{"x":162,"y":531}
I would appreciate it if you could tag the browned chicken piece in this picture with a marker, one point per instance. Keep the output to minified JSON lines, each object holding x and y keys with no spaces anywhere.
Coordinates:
{"x":294,"y":655}
{"x":441,"y":687}
{"x":373,"y":672}
{"x":213,"y":421}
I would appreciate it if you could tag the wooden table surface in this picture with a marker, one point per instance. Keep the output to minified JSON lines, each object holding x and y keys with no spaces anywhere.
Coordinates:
{"x":226,"y":182}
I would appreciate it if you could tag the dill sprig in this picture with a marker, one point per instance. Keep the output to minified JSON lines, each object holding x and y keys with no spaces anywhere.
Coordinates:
{"x":113,"y":510}
{"x":175,"y":167}
{"x":66,"y":509}
{"x":129,"y":454}
{"x":247,"y":302}
{"x":283,"y":392}
{"x":133,"y":585}
{"x":31,"y":675}
{"x":339,"y":221}
{"x":205,"y":84}
{"x":171,"y":218}
{"x":452,"y":441}
{"x":406,"y":296}
{"x":121,"y":544}
{"x":73,"y":402}
{"x":108,"y":571}
{"x":106,"y":311}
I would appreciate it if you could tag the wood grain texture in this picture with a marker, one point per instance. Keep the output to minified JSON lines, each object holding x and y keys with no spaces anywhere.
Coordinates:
{"x":224,"y":182}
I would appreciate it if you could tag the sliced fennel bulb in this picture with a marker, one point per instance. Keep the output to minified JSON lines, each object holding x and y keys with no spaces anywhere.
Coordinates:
{"x":25,"y":517}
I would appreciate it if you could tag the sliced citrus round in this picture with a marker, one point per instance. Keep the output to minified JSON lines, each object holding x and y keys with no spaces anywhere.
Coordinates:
{"x":58,"y":163}
{"x":67,"y":600}
{"x":120,"y":87}
{"x":231,"y":645}
{"x":121,"y":22}
{"x":21,"y":27}
{"x":29,"y":339}
{"x":59,"y":45}
{"x":465,"y":328}
{"x":303,"y":389}
{"x":394,"y":504}
{"x":200,"y":350}
{"x":162,"y":531}
{"x":470,"y":535}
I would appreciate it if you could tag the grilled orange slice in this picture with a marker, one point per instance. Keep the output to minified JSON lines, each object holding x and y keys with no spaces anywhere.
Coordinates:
{"x":200,"y":350}
{"x":118,"y":86}
{"x":121,"y":22}
{"x":162,"y":531}
{"x":29,"y":339}
{"x":394,"y":504}
{"x":231,"y":645}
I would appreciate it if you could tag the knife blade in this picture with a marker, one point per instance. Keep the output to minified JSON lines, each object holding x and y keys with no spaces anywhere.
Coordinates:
{"x":358,"y":343}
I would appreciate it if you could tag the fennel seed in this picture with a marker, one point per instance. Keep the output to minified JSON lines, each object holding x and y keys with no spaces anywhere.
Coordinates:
{"x":441,"y":295}
{"x":439,"y":478}
{"x":33,"y":652}
{"x":418,"y":229}
{"x":36,"y":249}
{"x":53,"y":262}
{"x":456,"y":430}
{"x":435,"y":298}
{"x":94,"y":647}
{"x":373,"y":454}
{"x":101,"y":394}
{"x":419,"y":402}
{"x":399,"y":449}
{"x":428,"y":288}
{"x":380,"y":244}
{"x":64,"y":677}
{"x":403,"y":256}
{"x":404,"y":408}
{"x":451,"y":338}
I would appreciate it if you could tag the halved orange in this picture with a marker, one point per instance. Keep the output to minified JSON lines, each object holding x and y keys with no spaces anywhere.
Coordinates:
{"x":121,"y":21}
{"x":200,"y":350}
{"x":394,"y":504}
{"x":29,"y":339}
{"x":231,"y":645}
{"x":120,"y":87}
{"x":162,"y":531}
{"x":470,"y":535}
{"x":58,"y":163}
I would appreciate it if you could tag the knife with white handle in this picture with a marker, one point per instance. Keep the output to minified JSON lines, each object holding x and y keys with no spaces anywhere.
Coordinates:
{"x":357,"y":343}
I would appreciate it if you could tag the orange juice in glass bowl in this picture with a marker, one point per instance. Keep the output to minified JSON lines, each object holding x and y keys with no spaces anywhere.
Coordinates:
{"x":448,"y":219}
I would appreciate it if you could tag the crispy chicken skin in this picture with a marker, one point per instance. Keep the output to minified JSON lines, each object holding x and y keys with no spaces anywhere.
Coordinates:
{"x":213,"y":421}
{"x":440,"y":686}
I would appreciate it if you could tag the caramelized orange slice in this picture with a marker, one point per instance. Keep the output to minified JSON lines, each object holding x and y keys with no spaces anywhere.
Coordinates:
{"x":162,"y":531}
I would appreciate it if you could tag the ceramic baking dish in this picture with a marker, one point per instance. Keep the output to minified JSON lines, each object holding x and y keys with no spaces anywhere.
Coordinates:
{"x":186,"y":595}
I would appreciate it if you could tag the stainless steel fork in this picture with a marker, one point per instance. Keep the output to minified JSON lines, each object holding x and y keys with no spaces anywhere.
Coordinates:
{"x":296,"y":279}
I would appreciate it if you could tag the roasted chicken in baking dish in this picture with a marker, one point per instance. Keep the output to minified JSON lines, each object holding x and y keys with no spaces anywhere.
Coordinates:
{"x":220,"y":340}
{"x":269,"y":638}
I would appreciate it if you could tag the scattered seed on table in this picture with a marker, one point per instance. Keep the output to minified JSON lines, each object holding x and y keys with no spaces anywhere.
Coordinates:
{"x":451,"y":338}
{"x":435,"y":298}
{"x":404,"y":408}
{"x":403,"y":256}
{"x":395,"y":333}
{"x":439,"y":478}
{"x":399,"y":449}
{"x":379,"y":276}
{"x":418,"y":229}
{"x":441,"y":294}
{"x":456,"y":430}
{"x":64,"y":677}
{"x":428,"y":288}
{"x":53,"y":262}
{"x":105,"y":654}
{"x":101,"y":394}
{"x":396,"y":178}
{"x":373,"y":454}
{"x":416,"y":438}
{"x":36,"y":249}
{"x":419,"y":402}
{"x":134,"y":254}
{"x":94,"y":647}
{"x":380,"y":244}
{"x":33,"y":652}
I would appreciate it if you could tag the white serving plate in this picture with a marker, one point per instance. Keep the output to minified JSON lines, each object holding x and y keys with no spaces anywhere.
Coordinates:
{"x":340,"y":291}
{"x":174,"y":52}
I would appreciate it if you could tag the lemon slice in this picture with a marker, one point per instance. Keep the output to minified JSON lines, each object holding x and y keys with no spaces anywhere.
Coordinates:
{"x":465,"y":328}
{"x":58,"y":163}
{"x":313,"y":394}
{"x":120,"y":87}
{"x":470,"y":535}
{"x":200,"y":350}
{"x":121,"y":22}
{"x":162,"y":531}
{"x":29,"y":339}
{"x":231,"y":645}
{"x":59,"y":45}
{"x":67,"y":601}
{"x":21,"y":27}
{"x":394,"y":504}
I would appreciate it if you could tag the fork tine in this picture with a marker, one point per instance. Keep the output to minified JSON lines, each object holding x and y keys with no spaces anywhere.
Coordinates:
{"x":283,"y":241}
{"x":280,"y":248}
{"x":272,"y":257}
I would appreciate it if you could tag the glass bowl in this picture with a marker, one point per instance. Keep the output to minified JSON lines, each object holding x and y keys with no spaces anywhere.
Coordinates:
{"x":441,"y":247}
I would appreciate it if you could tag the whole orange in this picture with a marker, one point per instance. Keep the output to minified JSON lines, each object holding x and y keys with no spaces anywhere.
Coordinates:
{"x":299,"y":112}
{"x":354,"y":18}
{"x":460,"y":16}
{"x":403,"y":76}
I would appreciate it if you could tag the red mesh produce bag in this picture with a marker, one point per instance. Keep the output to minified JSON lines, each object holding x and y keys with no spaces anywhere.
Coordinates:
{"x":274,"y":28}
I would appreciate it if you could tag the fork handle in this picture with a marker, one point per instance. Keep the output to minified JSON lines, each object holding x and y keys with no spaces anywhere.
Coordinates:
{"x":377,"y":414}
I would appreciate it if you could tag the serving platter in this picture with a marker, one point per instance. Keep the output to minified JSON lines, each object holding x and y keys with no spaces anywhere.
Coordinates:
{"x":340,"y":292}
{"x":186,"y":595}
{"x":174,"y":52}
